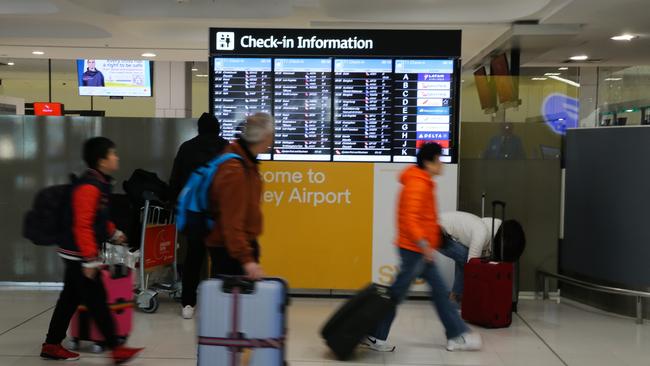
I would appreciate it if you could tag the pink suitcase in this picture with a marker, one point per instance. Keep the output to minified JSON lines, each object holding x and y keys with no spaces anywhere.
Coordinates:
{"x":119,"y":293}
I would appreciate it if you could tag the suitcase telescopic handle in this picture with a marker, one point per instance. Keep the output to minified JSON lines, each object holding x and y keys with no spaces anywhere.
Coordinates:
{"x":231,"y":282}
{"x":495,"y":204}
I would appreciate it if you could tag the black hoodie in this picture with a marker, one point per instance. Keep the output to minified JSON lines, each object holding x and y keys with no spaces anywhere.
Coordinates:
{"x":196,"y":152}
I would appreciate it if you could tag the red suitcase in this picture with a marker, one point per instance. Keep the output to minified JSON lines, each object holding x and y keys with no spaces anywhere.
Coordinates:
{"x":487,"y":296}
{"x":119,"y":293}
{"x":488,"y":288}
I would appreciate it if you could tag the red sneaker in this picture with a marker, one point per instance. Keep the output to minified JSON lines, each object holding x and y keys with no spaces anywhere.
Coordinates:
{"x":57,"y":352}
{"x":123,"y":354}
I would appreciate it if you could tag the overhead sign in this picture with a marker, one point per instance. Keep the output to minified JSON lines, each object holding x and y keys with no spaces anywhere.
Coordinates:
{"x":241,"y":41}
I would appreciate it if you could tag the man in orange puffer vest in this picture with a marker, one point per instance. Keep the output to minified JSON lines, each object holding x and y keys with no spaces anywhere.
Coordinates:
{"x":419,"y":236}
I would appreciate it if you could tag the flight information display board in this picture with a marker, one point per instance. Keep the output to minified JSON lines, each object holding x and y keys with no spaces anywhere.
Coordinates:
{"x":242,"y":86}
{"x":340,"y":95}
{"x":422,"y":106}
{"x":362,"y":115}
{"x":302,"y":108}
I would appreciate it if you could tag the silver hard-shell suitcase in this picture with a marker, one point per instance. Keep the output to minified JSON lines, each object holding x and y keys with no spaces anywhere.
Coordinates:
{"x":242,"y":322}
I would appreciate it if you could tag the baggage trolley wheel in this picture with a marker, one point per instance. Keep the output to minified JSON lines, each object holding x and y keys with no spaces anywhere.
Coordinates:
{"x":97,"y":348}
{"x":73,"y":344}
{"x":152,"y":307}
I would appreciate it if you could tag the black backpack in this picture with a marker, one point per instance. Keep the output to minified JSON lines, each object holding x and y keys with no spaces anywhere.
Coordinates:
{"x":141,"y":181}
{"x":45,"y":223}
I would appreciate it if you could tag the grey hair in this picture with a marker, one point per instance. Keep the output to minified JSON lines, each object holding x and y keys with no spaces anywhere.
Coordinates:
{"x":256,"y":127}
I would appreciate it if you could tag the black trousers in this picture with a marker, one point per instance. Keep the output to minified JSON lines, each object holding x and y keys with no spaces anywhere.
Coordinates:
{"x":79,"y":289}
{"x":194,"y":259}
{"x":224,"y":264}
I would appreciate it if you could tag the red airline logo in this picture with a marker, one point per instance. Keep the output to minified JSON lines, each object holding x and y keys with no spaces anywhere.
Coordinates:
{"x":47,"y":109}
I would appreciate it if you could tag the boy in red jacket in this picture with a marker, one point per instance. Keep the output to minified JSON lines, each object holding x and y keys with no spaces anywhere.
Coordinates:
{"x":88,"y":217}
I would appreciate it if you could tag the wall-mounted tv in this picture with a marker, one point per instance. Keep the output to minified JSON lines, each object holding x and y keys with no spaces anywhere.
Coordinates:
{"x":505,"y":85}
{"x":486,"y":91}
{"x":126,"y":78}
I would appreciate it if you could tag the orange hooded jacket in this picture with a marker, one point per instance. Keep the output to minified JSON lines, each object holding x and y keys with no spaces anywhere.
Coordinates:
{"x":417,"y":216}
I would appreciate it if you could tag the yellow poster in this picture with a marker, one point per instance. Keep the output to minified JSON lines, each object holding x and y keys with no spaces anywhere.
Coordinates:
{"x":318,"y":223}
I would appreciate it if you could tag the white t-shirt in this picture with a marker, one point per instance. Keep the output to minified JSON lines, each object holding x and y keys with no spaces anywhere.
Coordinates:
{"x":470,"y":230}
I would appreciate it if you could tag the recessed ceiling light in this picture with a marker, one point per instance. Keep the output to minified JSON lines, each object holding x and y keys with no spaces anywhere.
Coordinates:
{"x":201,"y":75}
{"x":624,"y":37}
{"x":38,"y":53}
{"x":148,"y":54}
{"x":613,"y":79}
{"x":195,"y":69}
{"x":553,"y":74}
{"x":10,"y":63}
{"x":629,"y":110}
{"x":563,"y":68}
{"x":579,"y":58}
{"x":539,"y":79}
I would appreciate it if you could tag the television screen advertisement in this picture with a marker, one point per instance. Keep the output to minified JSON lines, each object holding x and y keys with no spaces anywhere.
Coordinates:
{"x":127,"y":78}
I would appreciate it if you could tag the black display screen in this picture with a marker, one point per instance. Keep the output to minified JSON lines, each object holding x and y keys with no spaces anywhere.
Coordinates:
{"x":302,"y":108}
{"x":241,"y":86}
{"x":362,"y":109}
{"x":340,"y":109}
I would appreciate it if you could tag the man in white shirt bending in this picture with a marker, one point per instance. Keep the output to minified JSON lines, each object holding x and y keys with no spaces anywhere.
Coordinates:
{"x":465,"y":236}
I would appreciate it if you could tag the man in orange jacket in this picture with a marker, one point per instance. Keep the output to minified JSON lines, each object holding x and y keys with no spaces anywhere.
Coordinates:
{"x":419,"y":236}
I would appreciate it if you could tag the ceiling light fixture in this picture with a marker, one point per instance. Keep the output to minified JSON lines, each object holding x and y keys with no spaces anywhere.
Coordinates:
{"x":624,"y":37}
{"x":563,"y":68}
{"x":553,"y":74}
{"x":195,"y":69}
{"x":201,"y":75}
{"x":566,"y":81}
{"x":613,"y":79}
{"x":148,"y":54}
{"x":539,"y":79}
{"x":38,"y":53}
{"x":579,"y":58}
{"x":629,"y":110}
{"x":10,"y":63}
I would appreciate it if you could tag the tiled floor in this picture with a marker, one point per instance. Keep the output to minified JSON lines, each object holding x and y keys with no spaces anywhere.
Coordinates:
{"x":543,"y":334}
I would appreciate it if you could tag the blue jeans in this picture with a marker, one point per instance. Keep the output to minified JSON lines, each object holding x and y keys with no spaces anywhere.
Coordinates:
{"x":412,"y":267}
{"x":459,"y":253}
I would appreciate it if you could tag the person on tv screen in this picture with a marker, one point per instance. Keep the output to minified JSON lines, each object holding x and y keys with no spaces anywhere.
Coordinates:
{"x":92,"y":76}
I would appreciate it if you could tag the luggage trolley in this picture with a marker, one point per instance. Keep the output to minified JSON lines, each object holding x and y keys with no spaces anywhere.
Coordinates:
{"x":158,"y":245}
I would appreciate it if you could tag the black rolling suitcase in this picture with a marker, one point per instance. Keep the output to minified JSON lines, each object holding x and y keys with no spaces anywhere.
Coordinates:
{"x":356,"y":318}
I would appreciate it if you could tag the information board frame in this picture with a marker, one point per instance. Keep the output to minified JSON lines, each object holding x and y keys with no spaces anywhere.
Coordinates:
{"x":344,"y":44}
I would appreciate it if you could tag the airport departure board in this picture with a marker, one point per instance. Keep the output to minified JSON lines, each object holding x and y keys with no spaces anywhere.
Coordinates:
{"x":336,"y":107}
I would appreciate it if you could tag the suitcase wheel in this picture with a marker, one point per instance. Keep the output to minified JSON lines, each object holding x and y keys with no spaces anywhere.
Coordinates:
{"x":152,"y":307}
{"x":121,"y":340}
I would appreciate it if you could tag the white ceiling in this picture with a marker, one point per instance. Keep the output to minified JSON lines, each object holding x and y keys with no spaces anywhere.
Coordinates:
{"x":178,"y":29}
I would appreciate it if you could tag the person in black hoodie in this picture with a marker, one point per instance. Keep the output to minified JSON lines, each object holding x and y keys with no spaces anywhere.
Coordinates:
{"x":191,"y":155}
{"x":92,"y":76}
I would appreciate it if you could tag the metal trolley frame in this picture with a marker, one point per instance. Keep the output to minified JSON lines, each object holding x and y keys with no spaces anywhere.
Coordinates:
{"x":158,"y":250}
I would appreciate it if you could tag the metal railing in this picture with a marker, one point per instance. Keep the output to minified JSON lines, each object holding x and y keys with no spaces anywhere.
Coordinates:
{"x":543,"y":281}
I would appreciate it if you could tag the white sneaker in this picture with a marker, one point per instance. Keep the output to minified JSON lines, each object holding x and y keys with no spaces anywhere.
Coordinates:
{"x":377,"y":344}
{"x":188,"y":312}
{"x":465,"y":342}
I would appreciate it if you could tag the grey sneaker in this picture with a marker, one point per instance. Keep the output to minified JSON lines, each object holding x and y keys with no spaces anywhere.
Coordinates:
{"x":465,"y":342}
{"x":188,"y":312}
{"x":377,"y":344}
